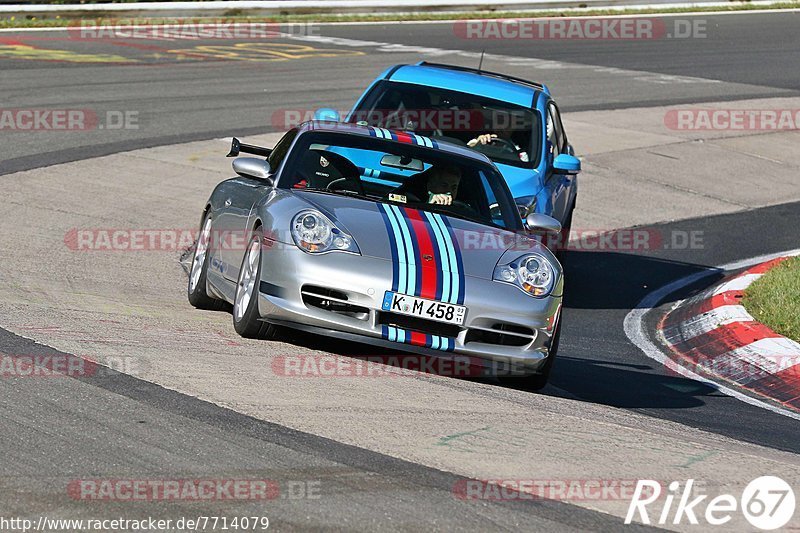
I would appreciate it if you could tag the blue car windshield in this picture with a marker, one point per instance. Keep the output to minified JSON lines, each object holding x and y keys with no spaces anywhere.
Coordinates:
{"x":402,"y":173}
{"x":506,"y":133}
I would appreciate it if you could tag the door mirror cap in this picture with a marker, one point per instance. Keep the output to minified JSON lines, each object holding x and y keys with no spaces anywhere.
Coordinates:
{"x":328,"y":114}
{"x":566,"y":164}
{"x":252,"y":167}
{"x":540,"y":223}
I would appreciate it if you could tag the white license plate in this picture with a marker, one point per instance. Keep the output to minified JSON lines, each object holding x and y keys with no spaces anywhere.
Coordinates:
{"x":403,"y":304}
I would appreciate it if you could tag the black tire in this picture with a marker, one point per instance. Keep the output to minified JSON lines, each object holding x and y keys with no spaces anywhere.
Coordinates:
{"x":249,"y":324}
{"x":535,"y":382}
{"x":197,"y":293}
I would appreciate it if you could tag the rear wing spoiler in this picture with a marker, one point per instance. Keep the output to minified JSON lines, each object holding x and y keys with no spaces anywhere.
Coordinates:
{"x":238,"y":146}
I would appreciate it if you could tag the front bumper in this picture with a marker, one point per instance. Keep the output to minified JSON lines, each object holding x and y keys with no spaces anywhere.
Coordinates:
{"x":504,"y":328}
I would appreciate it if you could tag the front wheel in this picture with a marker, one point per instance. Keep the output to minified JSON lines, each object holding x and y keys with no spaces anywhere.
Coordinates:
{"x":246,"y":318}
{"x":196,"y":291}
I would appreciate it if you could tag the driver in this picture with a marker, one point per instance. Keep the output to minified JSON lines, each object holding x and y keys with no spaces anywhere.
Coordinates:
{"x":437,"y":185}
{"x":443,"y":184}
{"x":503,"y":132}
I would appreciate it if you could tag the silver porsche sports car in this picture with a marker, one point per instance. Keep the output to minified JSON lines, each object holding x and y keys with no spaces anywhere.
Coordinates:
{"x":385,"y":237}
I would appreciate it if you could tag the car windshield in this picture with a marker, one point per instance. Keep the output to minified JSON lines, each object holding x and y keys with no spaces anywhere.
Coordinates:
{"x":507,"y":133}
{"x":402,"y":173}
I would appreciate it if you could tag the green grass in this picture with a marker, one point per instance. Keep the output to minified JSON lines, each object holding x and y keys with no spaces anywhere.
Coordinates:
{"x":40,"y":21}
{"x":774,"y":300}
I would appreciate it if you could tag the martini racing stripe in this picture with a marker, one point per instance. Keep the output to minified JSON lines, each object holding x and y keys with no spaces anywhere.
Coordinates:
{"x":450,"y":246}
{"x":443,"y":258}
{"x":429,"y":268}
{"x":403,"y":137}
{"x":409,"y":266}
{"x":437,"y":342}
{"x":426,"y":258}
{"x":452,"y":243}
{"x":376,"y":176}
{"x":393,"y":248}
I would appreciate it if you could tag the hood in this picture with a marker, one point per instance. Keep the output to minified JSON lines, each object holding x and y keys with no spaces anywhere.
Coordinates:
{"x":521,"y":181}
{"x":418,"y":239}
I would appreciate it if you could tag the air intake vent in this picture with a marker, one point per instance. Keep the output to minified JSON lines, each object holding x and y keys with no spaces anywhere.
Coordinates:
{"x":333,"y":301}
{"x":501,"y":334}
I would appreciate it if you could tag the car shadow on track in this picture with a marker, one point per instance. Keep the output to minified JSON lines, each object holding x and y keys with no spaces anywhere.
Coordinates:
{"x":596,"y":362}
{"x":612,"y":280}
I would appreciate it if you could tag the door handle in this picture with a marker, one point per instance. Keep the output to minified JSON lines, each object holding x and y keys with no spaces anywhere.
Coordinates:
{"x":228,"y":202}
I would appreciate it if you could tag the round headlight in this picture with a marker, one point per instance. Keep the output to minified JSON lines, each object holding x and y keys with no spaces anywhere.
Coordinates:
{"x":507,"y":274}
{"x":312,"y":232}
{"x":535,"y":275}
{"x":315,"y":233}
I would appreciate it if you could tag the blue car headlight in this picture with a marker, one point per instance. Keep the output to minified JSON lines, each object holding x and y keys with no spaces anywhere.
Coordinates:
{"x":314,"y":233}
{"x":532,"y":273}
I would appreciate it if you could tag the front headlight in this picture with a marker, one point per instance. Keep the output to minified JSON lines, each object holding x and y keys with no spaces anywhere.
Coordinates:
{"x":314,"y":233}
{"x":532,"y":273}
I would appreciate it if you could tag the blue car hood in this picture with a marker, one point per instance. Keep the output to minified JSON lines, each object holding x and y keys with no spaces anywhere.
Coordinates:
{"x":521,"y":181}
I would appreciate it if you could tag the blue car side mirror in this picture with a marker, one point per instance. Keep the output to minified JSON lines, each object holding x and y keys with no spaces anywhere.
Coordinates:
{"x":326,"y":113}
{"x":566,"y":164}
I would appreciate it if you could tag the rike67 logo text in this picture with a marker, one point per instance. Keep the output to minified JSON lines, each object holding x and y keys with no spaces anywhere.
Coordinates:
{"x":767,"y":503}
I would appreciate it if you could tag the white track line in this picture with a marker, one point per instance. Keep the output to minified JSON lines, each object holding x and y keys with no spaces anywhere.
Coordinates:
{"x":711,"y":320}
{"x":636,"y":333}
{"x":558,"y":11}
{"x":739,"y":283}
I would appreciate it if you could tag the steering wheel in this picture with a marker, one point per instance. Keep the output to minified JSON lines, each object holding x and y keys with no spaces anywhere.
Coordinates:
{"x":462,"y":207}
{"x":505,"y":145}
{"x":359,"y":186}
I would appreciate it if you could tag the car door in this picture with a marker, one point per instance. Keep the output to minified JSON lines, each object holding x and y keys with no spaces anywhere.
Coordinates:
{"x":559,"y":186}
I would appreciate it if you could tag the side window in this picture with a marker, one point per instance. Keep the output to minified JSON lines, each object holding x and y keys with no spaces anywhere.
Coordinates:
{"x":281,"y":148}
{"x":552,"y":136}
{"x":558,"y":129}
{"x":495,"y":212}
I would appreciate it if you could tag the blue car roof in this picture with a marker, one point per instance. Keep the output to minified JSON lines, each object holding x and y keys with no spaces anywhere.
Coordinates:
{"x":466,"y":81}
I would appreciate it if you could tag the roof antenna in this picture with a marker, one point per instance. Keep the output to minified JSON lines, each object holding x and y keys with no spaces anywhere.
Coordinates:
{"x":480,"y":64}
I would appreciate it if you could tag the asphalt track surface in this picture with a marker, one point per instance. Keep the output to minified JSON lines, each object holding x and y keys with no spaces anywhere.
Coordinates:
{"x":199,"y":94}
{"x":180,"y":99}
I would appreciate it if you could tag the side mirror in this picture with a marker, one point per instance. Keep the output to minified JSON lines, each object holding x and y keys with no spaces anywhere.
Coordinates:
{"x":252,"y":167}
{"x":537,"y":222}
{"x":566,"y":164}
{"x":326,"y":113}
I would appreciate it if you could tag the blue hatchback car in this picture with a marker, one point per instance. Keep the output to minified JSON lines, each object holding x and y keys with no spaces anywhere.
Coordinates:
{"x":515,"y":122}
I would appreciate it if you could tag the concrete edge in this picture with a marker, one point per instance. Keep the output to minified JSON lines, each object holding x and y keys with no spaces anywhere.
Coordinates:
{"x":713,"y":335}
